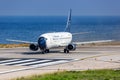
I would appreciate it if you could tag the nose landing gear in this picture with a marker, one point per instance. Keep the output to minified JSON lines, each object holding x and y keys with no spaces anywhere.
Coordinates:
{"x":66,"y":51}
{"x":45,"y":51}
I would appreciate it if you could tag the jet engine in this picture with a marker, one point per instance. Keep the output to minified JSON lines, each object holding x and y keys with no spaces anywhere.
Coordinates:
{"x":33,"y":47}
{"x":71,"y":47}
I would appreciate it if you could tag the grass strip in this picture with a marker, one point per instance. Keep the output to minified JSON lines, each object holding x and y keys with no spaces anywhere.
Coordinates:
{"x":13,"y":45}
{"x":77,"y":75}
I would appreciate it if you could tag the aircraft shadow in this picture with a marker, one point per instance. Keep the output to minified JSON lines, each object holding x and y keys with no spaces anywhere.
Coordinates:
{"x":31,"y":53}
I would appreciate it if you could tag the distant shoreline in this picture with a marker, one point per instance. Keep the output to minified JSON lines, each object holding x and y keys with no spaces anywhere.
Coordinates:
{"x":13,"y":45}
{"x":114,"y":43}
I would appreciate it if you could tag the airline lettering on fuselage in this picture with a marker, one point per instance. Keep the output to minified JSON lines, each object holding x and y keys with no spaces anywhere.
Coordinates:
{"x":56,"y":37}
{"x":61,"y":38}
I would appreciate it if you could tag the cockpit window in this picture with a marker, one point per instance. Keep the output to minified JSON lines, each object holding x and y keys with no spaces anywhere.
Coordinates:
{"x":41,"y":38}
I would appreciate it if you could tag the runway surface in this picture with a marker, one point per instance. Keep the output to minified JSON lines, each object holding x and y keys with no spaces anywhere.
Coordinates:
{"x":17,"y":62}
{"x":31,"y":61}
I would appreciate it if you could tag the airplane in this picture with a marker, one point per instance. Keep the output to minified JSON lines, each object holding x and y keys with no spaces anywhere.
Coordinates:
{"x":47,"y":41}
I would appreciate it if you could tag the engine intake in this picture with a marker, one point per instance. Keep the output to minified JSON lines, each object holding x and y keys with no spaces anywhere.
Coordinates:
{"x":33,"y":47}
{"x":71,"y":47}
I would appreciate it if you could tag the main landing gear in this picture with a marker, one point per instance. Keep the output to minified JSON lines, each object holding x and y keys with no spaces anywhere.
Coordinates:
{"x":66,"y":51}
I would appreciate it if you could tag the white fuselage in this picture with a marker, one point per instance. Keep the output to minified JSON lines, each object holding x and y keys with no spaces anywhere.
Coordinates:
{"x":57,"y":39}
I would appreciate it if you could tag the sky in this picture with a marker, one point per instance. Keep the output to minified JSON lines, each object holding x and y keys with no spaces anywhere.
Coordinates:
{"x":59,"y":7}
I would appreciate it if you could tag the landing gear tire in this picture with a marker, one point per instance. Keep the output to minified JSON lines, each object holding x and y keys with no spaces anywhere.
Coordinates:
{"x":47,"y":51}
{"x":66,"y":51}
{"x":43,"y":52}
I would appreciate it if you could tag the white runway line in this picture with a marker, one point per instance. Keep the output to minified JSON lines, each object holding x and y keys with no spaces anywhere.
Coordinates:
{"x":36,"y":63}
{"x":21,"y":61}
{"x":5,"y":61}
{"x":32,"y":62}
{"x":50,"y":63}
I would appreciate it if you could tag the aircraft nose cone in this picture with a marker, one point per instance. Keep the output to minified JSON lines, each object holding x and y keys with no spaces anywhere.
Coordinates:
{"x":42,"y":43}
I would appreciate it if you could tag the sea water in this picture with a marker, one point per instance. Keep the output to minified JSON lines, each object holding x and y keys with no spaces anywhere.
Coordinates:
{"x":29,"y":28}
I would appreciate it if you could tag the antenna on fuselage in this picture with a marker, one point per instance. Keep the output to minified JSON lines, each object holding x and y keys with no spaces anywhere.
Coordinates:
{"x":67,"y":29}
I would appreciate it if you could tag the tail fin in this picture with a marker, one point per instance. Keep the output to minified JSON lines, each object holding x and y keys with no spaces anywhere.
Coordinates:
{"x":67,"y":29}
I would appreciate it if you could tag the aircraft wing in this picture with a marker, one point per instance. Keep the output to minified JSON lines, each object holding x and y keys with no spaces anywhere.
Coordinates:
{"x":100,"y":41}
{"x":20,"y":41}
{"x":80,"y":33}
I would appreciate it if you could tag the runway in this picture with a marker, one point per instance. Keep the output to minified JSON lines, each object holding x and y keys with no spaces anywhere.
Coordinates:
{"x":17,"y":62}
{"x":31,"y":61}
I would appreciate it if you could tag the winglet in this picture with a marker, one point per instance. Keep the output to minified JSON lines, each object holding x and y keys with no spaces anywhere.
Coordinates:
{"x":67,"y":29}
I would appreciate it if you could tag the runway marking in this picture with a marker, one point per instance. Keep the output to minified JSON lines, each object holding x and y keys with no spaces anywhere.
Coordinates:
{"x":20,"y":61}
{"x":32,"y":62}
{"x":6,"y":61}
{"x":51,"y":63}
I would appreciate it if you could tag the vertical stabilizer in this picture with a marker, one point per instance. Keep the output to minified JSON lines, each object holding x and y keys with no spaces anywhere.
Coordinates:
{"x":67,"y":29}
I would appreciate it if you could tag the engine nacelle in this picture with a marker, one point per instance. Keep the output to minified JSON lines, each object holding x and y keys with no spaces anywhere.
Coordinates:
{"x":71,"y":47}
{"x":33,"y":47}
